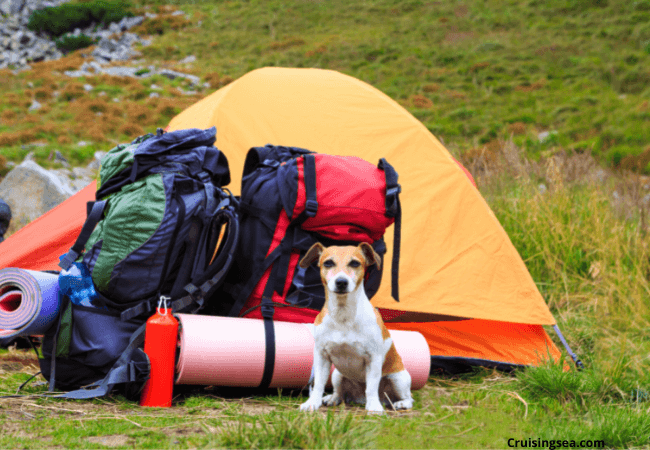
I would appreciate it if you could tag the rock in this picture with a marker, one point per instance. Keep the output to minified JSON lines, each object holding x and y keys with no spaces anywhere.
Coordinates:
{"x":95,"y":164}
{"x":544,"y":135}
{"x":5,"y":7}
{"x":121,"y":71}
{"x":16,"y":6}
{"x":188,"y":60}
{"x":31,"y":191}
{"x":35,"y":106}
{"x":172,"y":75}
{"x":58,"y":157}
{"x":19,"y":45}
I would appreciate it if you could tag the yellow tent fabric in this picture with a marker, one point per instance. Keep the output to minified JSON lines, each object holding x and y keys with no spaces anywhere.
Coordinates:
{"x":456,"y":259}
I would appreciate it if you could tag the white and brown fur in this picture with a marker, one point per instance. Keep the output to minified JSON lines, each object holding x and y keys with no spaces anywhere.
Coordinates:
{"x":350,"y":333}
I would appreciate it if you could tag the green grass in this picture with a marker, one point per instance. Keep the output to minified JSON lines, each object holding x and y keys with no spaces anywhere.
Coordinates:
{"x":472,"y":72}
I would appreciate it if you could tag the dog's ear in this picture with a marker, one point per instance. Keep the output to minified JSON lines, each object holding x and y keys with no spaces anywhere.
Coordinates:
{"x":370,"y":254}
{"x":313,"y":254}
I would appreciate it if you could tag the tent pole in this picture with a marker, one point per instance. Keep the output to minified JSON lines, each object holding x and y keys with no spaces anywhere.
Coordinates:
{"x":577,"y":361}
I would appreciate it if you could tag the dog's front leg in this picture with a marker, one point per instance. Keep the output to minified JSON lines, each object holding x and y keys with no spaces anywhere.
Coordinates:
{"x":322,"y":367}
{"x":373,"y":377}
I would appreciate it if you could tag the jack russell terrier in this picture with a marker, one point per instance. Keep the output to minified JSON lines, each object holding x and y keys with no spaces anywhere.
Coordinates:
{"x":350,"y":333}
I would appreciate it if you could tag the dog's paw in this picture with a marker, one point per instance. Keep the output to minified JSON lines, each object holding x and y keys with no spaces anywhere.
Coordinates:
{"x":374,"y":407}
{"x":332,"y":400}
{"x":310,"y":405}
{"x":403,"y":404}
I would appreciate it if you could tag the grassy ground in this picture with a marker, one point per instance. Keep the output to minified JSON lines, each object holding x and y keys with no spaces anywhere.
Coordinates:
{"x":486,"y":78}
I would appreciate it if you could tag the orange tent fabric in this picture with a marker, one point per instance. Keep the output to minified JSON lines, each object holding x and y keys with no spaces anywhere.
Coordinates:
{"x":456,"y":258}
{"x":38,"y":245}
{"x":456,"y":261}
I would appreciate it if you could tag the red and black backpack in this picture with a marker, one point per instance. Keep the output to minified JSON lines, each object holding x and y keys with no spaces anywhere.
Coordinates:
{"x":290,"y":199}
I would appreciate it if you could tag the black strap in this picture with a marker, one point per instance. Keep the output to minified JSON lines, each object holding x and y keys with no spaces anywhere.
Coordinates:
{"x":397,"y":244}
{"x":204,"y":283}
{"x":145,"y":306}
{"x":242,"y":294}
{"x":311,"y":204}
{"x":393,"y":209}
{"x":197,"y":295}
{"x":95,"y":211}
{"x":269,"y":334}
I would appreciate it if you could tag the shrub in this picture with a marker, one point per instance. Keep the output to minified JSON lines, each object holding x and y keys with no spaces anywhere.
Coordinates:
{"x":432,"y":87}
{"x":69,"y":43}
{"x":59,"y":20}
{"x":72,"y":91}
{"x":160,"y":25}
{"x":64,"y":139}
{"x":517,"y":128}
{"x":132,"y":130}
{"x":420,"y":101}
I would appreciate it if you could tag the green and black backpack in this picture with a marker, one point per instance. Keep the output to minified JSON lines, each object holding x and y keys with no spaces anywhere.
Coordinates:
{"x":161,"y":226}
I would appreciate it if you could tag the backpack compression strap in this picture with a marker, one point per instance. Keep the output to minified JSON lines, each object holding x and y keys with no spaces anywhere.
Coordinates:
{"x":132,"y":365}
{"x":393,"y":209}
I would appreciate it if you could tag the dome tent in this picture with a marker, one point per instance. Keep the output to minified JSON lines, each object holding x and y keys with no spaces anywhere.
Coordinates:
{"x":462,"y":283}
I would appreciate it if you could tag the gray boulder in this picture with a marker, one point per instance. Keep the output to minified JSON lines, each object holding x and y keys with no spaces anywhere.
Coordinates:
{"x":31,"y":190}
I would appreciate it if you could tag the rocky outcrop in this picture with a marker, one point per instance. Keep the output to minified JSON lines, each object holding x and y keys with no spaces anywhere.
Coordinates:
{"x":30,"y":190}
{"x":20,"y":46}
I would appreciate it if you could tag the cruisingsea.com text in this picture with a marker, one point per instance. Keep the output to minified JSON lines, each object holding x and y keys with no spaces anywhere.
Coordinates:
{"x":552,"y":444}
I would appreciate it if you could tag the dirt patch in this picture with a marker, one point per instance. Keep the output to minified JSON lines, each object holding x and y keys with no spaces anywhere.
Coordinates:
{"x":186,"y":431}
{"x":253,"y":409}
{"x":459,"y":36}
{"x":116,"y":440}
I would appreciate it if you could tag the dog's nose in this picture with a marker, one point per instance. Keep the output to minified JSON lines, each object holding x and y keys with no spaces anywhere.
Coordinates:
{"x":341,"y":284}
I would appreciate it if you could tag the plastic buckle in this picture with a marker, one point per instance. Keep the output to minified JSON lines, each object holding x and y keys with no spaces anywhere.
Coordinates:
{"x":204,"y":177}
{"x":393,"y":191}
{"x":68,"y":259}
{"x":190,"y":289}
{"x":267,"y":311}
{"x":311,"y":207}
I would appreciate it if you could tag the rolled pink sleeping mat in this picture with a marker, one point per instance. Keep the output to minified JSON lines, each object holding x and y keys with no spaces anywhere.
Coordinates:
{"x":29,"y":302}
{"x":229,"y":351}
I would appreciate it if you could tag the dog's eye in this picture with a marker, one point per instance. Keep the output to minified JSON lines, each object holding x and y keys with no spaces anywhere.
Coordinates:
{"x":354,"y":264}
{"x":329,"y":264}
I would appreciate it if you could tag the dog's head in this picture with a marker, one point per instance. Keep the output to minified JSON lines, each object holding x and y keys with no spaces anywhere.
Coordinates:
{"x":342,"y":268}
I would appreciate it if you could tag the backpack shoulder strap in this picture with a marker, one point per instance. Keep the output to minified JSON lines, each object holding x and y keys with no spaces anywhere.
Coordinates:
{"x":393,"y":209}
{"x":95,"y":212}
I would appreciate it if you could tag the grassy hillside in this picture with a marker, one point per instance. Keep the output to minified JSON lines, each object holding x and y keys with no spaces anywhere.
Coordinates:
{"x":472,"y":72}
{"x":487,"y":78}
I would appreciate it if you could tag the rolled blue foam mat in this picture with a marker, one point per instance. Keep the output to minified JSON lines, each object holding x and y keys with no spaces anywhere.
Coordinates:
{"x":29,"y":302}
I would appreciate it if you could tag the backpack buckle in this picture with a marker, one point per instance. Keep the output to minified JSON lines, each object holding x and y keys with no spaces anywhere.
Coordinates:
{"x":267,"y":311}
{"x":394,"y":191}
{"x":204,"y":177}
{"x":311,"y":208}
{"x":68,"y":259}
